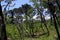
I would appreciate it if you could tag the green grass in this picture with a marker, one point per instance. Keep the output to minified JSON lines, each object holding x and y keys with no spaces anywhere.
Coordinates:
{"x":13,"y":33}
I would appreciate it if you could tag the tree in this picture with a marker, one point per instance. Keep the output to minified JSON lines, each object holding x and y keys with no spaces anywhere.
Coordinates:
{"x":52,"y":10}
{"x":19,"y":20}
{"x":7,"y":5}
{"x":3,"y":35}
{"x":39,"y":6}
{"x":51,"y":5}
{"x":27,"y":9}
{"x":12,"y":16}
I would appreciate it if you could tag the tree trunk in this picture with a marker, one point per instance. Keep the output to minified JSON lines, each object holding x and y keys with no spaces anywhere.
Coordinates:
{"x":43,"y":20}
{"x":3,"y":35}
{"x":52,"y":10}
{"x":55,"y":23}
{"x":58,"y":3}
{"x":12,"y":16}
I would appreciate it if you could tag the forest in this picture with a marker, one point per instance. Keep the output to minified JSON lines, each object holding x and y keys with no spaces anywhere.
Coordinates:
{"x":39,"y":20}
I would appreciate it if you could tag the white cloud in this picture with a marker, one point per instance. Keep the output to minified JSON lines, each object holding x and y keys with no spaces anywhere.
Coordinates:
{"x":47,"y":17}
{"x":34,"y":17}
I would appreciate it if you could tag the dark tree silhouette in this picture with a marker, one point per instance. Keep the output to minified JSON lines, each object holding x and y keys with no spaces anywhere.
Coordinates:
{"x":2,"y":26}
{"x":12,"y":16}
{"x":26,"y":8}
{"x":42,"y":19}
{"x":57,"y":1}
{"x":52,"y":10}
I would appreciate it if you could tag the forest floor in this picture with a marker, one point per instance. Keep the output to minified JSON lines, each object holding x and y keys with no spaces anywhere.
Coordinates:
{"x":13,"y":33}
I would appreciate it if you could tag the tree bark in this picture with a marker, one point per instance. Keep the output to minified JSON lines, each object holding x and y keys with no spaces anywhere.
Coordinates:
{"x":3,"y":35}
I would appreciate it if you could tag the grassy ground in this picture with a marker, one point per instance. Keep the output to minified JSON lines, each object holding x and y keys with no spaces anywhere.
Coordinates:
{"x":13,"y":33}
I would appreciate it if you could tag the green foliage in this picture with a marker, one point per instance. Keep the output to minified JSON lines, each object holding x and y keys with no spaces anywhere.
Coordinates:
{"x":29,"y":25}
{"x":13,"y":33}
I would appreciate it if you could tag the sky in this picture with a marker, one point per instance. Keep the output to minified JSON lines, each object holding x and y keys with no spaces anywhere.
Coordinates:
{"x":18,"y":3}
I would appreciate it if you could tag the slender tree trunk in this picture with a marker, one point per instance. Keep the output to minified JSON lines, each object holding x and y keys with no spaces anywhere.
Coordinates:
{"x":55,"y":23}
{"x":3,"y":35}
{"x":32,"y":33}
{"x":58,"y":3}
{"x":46,"y":26}
{"x":12,"y":17}
{"x":6,"y":12}
{"x":51,"y":19}
{"x":52,"y":10}
{"x":43,"y":21}
{"x":57,"y":19}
